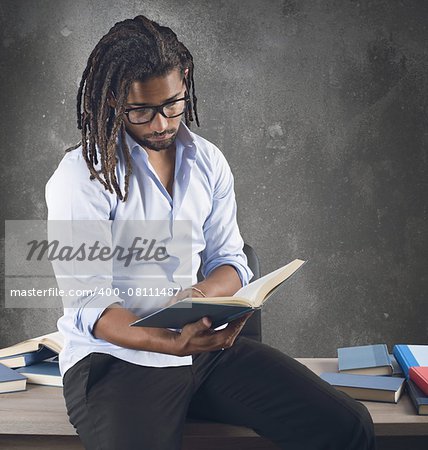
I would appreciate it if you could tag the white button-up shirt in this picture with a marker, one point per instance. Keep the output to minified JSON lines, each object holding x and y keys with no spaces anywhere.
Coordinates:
{"x":203,"y":194}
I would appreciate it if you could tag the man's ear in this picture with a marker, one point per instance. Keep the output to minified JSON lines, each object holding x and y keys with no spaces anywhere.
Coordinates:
{"x":111,"y":100}
{"x":186,"y":78}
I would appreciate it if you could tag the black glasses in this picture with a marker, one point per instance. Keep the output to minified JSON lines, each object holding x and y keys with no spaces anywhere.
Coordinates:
{"x":145,"y":114}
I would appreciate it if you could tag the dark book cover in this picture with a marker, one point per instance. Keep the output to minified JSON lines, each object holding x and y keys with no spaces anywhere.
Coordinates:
{"x":419,"y":399}
{"x":186,"y":311}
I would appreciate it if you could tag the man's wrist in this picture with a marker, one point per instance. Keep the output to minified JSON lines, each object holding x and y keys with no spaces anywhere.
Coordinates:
{"x":194,"y":288}
{"x":177,"y":345}
{"x":223,"y":281}
{"x":160,"y":340}
{"x":206,"y":288}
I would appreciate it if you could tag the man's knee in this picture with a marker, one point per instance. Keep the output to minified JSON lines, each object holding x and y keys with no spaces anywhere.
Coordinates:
{"x":357,"y":429}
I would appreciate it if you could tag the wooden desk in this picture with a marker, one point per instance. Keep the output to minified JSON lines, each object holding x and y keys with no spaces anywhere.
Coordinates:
{"x":37,"y":419}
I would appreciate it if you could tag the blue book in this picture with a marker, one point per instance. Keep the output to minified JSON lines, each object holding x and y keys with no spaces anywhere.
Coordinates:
{"x":46,"y":373}
{"x":10,"y":381}
{"x":396,"y":368}
{"x":365,"y":360}
{"x":367,"y":387}
{"x":26,"y":359}
{"x":419,"y":399}
{"x":410,"y":356}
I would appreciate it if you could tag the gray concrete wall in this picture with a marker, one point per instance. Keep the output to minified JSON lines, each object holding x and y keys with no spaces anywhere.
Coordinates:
{"x":320,"y":108}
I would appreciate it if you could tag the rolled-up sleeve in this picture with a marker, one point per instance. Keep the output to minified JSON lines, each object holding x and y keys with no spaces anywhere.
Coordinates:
{"x":224,"y":244}
{"x":73,"y":198}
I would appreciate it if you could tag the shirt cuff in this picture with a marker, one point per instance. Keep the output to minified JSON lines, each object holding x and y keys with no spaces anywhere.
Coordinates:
{"x":244,"y":272}
{"x":85,"y":317}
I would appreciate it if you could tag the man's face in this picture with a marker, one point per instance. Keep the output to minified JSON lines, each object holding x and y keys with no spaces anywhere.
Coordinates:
{"x":161,"y":132}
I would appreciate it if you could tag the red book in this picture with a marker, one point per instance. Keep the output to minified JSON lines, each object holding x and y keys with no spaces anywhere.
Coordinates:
{"x":419,"y":375}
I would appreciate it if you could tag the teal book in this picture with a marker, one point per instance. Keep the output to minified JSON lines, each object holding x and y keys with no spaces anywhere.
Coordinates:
{"x":418,"y":398}
{"x":365,"y":360}
{"x":10,"y":380}
{"x":46,"y":373}
{"x":367,"y":387}
{"x":28,"y":358}
{"x":221,"y":309}
{"x":410,"y":356}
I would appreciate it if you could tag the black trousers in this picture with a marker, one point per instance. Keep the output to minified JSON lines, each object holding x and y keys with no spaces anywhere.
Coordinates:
{"x":116,"y":405}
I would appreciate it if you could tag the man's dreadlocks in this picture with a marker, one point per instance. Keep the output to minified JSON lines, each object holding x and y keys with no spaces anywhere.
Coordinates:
{"x":134,"y":49}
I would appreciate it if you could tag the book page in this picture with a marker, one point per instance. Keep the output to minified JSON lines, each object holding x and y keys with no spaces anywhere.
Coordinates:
{"x":259,"y":290}
{"x":55,"y":341}
{"x":250,"y":291}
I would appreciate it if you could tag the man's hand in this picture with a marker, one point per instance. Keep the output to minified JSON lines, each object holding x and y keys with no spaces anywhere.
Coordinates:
{"x":198,"y":337}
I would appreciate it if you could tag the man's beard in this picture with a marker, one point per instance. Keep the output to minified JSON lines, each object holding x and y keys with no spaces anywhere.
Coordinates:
{"x":159,"y":145}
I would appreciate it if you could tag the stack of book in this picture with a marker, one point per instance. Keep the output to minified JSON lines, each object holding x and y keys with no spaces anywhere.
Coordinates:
{"x":413,"y":359}
{"x":370,"y":372}
{"x":34,"y":361}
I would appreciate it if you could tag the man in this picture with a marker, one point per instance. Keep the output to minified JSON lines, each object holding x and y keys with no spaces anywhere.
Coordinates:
{"x":131,"y":387}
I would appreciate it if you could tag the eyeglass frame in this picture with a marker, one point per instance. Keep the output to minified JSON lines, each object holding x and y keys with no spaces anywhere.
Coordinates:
{"x":157,"y":109}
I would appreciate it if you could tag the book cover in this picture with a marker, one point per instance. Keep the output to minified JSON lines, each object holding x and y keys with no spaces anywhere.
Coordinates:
{"x":10,"y":380}
{"x":418,"y":398}
{"x":221,"y":310}
{"x":410,"y":356}
{"x":46,"y":373}
{"x":188,"y":311}
{"x":365,"y":359}
{"x":419,"y":376}
{"x":26,"y":359}
{"x":367,"y":387}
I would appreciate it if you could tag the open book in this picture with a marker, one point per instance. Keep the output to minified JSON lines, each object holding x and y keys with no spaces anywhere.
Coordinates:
{"x":53,"y":341}
{"x":221,"y":309}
